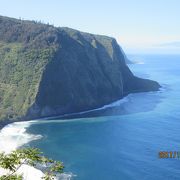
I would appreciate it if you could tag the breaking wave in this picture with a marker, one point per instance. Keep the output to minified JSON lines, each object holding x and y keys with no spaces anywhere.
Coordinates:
{"x":14,"y":136}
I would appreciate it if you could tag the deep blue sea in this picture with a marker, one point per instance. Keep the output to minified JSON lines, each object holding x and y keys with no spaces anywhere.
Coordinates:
{"x":123,"y":141}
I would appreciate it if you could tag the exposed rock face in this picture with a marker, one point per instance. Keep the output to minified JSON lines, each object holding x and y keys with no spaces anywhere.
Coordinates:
{"x":60,"y":70}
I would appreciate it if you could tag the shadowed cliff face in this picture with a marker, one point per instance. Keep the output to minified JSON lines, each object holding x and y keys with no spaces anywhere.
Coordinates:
{"x":88,"y":71}
{"x":63,"y":70}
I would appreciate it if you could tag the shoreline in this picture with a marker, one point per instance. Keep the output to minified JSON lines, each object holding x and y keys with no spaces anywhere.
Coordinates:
{"x":63,"y":117}
{"x":4,"y":123}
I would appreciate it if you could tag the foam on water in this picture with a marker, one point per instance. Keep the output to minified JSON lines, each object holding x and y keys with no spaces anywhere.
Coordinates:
{"x":113,"y":104}
{"x":14,"y":136}
{"x":116,"y":103}
{"x":138,"y":62}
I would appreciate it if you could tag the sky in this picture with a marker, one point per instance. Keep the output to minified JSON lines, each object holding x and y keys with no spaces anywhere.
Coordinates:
{"x":140,"y":26}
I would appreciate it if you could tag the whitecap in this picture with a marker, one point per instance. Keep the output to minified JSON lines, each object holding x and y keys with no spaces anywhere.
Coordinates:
{"x":14,"y":136}
{"x":138,"y":62}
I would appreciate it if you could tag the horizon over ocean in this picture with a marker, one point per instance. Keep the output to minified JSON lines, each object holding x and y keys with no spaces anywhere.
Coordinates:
{"x":121,"y":141}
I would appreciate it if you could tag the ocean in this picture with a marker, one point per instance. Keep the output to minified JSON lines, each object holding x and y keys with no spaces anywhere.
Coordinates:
{"x":121,"y":141}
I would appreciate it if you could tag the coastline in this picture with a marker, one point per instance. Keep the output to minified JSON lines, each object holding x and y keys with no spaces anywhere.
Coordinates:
{"x":62,"y":117}
{"x":4,"y":123}
{"x":68,"y":115}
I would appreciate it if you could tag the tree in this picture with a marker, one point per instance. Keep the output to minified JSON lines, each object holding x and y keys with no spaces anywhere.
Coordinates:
{"x":30,"y":156}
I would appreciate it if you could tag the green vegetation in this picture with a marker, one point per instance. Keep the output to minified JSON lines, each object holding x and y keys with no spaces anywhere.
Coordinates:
{"x":47,"y":71}
{"x":29,"y":156}
{"x":20,"y":72}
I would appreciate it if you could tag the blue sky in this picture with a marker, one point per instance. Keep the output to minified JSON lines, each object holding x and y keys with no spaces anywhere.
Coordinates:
{"x":138,"y":25}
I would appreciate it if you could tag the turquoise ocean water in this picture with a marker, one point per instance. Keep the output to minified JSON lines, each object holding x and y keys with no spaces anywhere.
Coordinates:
{"x":122,"y":141}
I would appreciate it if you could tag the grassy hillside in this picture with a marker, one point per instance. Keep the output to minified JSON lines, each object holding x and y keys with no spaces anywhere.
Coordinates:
{"x":20,"y":72}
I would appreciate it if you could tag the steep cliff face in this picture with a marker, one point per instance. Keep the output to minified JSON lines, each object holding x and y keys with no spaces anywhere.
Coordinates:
{"x":47,"y":71}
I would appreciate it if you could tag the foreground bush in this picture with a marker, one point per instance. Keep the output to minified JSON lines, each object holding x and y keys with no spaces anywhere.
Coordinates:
{"x":32,"y":157}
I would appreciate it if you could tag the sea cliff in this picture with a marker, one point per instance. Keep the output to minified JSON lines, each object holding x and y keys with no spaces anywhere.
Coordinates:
{"x":48,"y":71}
